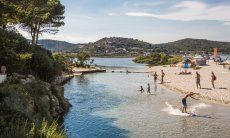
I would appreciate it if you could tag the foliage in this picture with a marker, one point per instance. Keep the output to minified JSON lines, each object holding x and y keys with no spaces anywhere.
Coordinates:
{"x":8,"y":13}
{"x":158,"y":59}
{"x":12,"y":44}
{"x":18,"y":56}
{"x":35,"y":16}
{"x":27,"y":102}
{"x":175,"y":59}
{"x":44,"y":66}
{"x":43,"y":16}
{"x":82,"y":57}
{"x":64,"y":60}
{"x":42,"y":129}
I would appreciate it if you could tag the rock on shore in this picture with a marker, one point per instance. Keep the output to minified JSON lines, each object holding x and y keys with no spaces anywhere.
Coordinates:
{"x":30,"y":100}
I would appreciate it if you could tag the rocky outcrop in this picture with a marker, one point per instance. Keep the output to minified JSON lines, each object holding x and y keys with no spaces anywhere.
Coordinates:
{"x":30,"y":99}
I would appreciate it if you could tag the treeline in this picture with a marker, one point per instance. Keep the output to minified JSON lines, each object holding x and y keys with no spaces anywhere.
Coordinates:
{"x":158,"y":59}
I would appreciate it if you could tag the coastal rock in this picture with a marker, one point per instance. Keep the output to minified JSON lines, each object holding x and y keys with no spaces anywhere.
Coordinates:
{"x":55,"y":109}
{"x":28,"y":99}
{"x":31,"y":77}
{"x":18,"y":76}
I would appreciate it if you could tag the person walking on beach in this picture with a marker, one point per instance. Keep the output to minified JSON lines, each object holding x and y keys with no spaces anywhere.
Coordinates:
{"x":213,"y":79}
{"x":184,"y":101}
{"x":198,"y":80}
{"x":155,"y":76}
{"x":162,"y":76}
{"x":148,"y":89}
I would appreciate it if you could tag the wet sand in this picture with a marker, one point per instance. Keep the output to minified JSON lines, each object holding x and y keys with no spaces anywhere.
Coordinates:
{"x":187,"y":83}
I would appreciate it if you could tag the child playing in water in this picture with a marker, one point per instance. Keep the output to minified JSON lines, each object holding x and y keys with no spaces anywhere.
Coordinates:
{"x":184,"y":102}
{"x":141,"y":90}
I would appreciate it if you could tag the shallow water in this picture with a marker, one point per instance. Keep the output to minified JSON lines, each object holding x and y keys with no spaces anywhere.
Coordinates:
{"x":110,"y":105}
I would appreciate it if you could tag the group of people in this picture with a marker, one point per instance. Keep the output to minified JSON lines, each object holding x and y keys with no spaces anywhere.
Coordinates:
{"x":213,"y":79}
{"x":148,"y":89}
{"x":155,"y":79}
{"x":191,"y":94}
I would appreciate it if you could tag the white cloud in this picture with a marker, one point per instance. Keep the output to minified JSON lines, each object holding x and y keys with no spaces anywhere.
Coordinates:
{"x":190,"y":11}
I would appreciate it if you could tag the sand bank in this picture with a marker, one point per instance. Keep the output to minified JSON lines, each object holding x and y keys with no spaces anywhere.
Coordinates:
{"x":187,"y":83}
{"x":87,"y":70}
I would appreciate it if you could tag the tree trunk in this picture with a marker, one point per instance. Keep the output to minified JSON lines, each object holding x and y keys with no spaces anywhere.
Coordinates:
{"x":37,"y":33}
{"x":34,"y":33}
{"x":33,"y":39}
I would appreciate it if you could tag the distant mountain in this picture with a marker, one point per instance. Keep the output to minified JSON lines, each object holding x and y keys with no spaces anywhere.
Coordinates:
{"x":189,"y":44}
{"x":55,"y":45}
{"x":118,"y":46}
{"x":128,"y":46}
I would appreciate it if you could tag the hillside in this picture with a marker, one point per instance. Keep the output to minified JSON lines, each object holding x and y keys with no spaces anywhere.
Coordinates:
{"x":117,"y":46}
{"x":55,"y":45}
{"x":189,"y":44}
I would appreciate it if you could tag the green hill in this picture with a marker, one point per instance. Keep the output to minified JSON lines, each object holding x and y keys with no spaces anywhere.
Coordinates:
{"x":118,"y":46}
{"x":189,"y":44}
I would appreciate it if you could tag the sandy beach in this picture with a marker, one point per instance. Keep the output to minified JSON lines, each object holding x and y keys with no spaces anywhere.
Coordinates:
{"x":187,"y":83}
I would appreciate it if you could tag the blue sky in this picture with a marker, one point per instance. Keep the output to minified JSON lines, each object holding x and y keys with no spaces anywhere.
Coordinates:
{"x":154,"y":21}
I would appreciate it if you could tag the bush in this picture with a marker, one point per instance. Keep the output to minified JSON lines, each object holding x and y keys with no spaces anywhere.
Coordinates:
{"x":19,"y":56}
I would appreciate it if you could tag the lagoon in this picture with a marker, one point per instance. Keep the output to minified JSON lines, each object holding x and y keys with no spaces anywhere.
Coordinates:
{"x":110,"y":105}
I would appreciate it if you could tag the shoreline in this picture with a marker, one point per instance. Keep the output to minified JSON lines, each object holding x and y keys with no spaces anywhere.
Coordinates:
{"x":186,"y":83}
{"x":175,"y":90}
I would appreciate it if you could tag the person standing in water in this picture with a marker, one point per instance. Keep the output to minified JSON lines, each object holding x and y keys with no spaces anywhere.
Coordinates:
{"x":141,"y":90}
{"x":213,"y":79}
{"x":162,"y":76}
{"x":155,"y":76}
{"x":184,"y":102}
{"x":198,"y":80}
{"x":148,"y":89}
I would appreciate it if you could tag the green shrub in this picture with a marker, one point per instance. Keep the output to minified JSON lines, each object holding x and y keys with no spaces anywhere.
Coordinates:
{"x":41,"y":129}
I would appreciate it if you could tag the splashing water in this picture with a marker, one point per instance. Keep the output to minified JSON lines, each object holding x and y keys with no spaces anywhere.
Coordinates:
{"x":176,"y":111}
{"x":193,"y":108}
